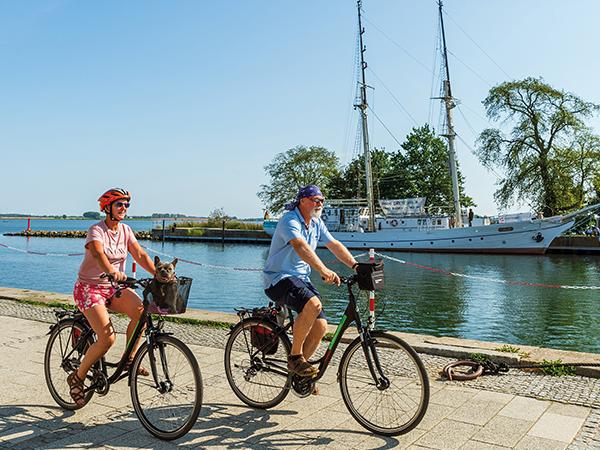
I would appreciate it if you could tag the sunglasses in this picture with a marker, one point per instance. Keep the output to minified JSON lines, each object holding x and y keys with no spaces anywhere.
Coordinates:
{"x":317,"y":201}
{"x":122,"y":204}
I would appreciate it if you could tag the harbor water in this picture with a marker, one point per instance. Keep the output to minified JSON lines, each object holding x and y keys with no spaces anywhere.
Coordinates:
{"x":416,"y":299}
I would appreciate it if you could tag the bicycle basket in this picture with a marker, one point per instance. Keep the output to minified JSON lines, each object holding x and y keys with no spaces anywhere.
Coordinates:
{"x":370,"y":276}
{"x":169,"y":298}
{"x":261,"y":337}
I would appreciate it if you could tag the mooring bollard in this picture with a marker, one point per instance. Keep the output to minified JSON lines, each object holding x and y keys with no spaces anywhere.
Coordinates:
{"x":223,"y":233}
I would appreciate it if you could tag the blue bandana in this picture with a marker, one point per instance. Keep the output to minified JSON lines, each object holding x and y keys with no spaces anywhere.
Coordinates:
{"x":307,"y":191}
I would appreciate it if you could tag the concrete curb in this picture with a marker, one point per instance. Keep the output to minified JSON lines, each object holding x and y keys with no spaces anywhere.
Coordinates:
{"x":432,"y":345}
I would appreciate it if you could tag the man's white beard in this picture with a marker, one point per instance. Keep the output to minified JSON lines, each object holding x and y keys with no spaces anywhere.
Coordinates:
{"x":316,"y":213}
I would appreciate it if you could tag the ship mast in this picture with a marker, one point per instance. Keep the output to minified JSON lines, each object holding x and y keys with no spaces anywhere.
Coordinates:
{"x":450,"y":134}
{"x":362,"y":106}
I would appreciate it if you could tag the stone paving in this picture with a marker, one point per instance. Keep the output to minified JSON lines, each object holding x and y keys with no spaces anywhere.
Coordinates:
{"x":517,"y":410}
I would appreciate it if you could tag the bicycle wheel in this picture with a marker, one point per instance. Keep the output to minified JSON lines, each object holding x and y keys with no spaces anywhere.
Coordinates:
{"x":257,"y":378}
{"x":63,"y":355}
{"x":394,"y":406}
{"x":169,"y":404}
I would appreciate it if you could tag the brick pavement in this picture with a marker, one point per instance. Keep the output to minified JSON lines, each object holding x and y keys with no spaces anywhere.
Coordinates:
{"x":473,"y":416}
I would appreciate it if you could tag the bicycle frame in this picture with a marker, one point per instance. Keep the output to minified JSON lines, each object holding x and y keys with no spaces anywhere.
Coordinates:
{"x":351,"y":314}
{"x":152,"y":331}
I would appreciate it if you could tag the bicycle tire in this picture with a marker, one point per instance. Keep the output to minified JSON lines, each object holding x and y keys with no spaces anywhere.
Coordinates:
{"x":249,"y":379}
{"x":407,"y":380}
{"x":56,"y":371}
{"x":183,"y":377}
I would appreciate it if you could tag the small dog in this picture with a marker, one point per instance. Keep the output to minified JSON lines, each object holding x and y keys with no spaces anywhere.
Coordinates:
{"x":164,"y":289}
{"x":165,"y":272}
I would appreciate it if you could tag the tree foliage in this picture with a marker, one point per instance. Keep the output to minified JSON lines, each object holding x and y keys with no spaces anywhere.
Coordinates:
{"x":351,"y":182}
{"x":420,"y":169}
{"x":92,"y":215}
{"x":295,"y":168}
{"x":539,"y":154}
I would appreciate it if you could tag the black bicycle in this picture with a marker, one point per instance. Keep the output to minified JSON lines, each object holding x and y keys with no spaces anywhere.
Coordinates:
{"x":168,"y":401}
{"x":383,"y":381}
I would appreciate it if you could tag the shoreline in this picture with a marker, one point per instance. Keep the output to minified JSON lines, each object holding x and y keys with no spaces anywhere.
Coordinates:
{"x":450,"y":347}
{"x":573,"y":245}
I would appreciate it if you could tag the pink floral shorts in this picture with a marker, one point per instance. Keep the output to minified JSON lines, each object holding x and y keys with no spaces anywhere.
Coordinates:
{"x":88,"y":295}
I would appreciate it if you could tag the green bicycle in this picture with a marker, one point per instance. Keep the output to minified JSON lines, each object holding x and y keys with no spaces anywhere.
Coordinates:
{"x":383,"y":381}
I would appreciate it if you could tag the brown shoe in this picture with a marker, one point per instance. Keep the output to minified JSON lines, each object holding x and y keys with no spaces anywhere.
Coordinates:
{"x":301,"y":367}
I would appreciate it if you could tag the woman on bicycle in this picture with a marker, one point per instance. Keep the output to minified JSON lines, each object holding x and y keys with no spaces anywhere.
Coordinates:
{"x":106,"y":248}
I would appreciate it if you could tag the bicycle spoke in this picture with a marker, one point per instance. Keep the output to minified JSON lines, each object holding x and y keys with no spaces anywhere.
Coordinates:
{"x":258,"y":379}
{"x":396,"y":405}
{"x":174,"y":403}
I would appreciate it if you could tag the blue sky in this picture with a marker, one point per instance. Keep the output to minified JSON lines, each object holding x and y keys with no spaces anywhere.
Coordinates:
{"x":184,"y":102}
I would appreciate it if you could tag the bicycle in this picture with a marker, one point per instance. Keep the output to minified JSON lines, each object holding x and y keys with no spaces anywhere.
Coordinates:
{"x":168,"y":401}
{"x":383,"y":381}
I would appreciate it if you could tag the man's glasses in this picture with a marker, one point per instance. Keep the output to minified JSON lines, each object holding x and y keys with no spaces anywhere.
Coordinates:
{"x":317,"y":201}
{"x":122,"y":204}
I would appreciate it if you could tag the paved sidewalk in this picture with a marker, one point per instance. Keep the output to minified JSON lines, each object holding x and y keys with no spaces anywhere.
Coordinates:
{"x":458,"y":417}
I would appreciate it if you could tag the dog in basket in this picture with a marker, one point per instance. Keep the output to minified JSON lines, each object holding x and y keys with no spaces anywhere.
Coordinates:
{"x":164,"y":287}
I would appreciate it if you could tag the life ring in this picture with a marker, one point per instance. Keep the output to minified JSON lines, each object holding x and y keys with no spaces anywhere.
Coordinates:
{"x":394,"y":222}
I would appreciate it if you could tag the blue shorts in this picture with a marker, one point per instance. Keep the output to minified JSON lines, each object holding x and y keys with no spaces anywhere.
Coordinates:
{"x":295,"y":293}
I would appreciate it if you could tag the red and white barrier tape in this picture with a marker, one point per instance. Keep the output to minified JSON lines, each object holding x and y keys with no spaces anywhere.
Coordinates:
{"x":488,"y":279}
{"x":31,"y":252}
{"x":196,"y":263}
{"x":401,"y":261}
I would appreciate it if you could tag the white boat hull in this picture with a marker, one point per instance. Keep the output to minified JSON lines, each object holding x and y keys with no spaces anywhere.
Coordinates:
{"x":515,"y":237}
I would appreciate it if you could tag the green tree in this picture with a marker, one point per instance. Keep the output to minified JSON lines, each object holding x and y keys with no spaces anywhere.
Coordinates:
{"x":92,"y":215}
{"x":536,"y":154}
{"x":295,"y":168}
{"x":582,"y":158}
{"x":351,"y":183}
{"x":421,"y":169}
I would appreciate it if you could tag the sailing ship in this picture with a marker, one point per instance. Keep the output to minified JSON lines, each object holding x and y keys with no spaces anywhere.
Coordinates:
{"x":406,"y":225}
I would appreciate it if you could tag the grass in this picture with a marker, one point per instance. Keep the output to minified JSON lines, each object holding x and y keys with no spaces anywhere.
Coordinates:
{"x":174,"y":319}
{"x":51,"y":304}
{"x":479,"y":357}
{"x":556,"y":368}
{"x":512,"y":349}
{"x":508,"y":349}
{"x":204,"y":323}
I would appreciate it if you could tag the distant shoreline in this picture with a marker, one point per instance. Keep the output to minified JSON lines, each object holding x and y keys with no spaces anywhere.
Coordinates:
{"x":86,"y":218}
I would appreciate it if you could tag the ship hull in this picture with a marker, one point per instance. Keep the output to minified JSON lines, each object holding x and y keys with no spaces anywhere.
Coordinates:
{"x":530,"y":237}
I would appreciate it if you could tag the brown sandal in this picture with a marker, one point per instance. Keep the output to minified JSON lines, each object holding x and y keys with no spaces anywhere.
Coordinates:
{"x":141,"y":369}
{"x":76,"y":389}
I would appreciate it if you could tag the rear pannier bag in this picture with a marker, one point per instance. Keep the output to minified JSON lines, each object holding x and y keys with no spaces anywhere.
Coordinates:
{"x":370,"y":276}
{"x":262,"y":338}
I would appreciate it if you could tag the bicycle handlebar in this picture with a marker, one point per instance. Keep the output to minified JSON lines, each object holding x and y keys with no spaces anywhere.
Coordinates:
{"x":128,"y":283}
{"x":348,"y":280}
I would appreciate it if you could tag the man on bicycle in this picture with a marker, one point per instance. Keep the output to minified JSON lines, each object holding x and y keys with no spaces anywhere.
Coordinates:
{"x":286,"y":275}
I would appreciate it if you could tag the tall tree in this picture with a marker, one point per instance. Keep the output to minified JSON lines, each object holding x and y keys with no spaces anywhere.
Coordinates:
{"x":532,"y":156}
{"x":421,"y":169}
{"x":351,"y":183}
{"x":583,"y":160}
{"x":295,"y":168}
